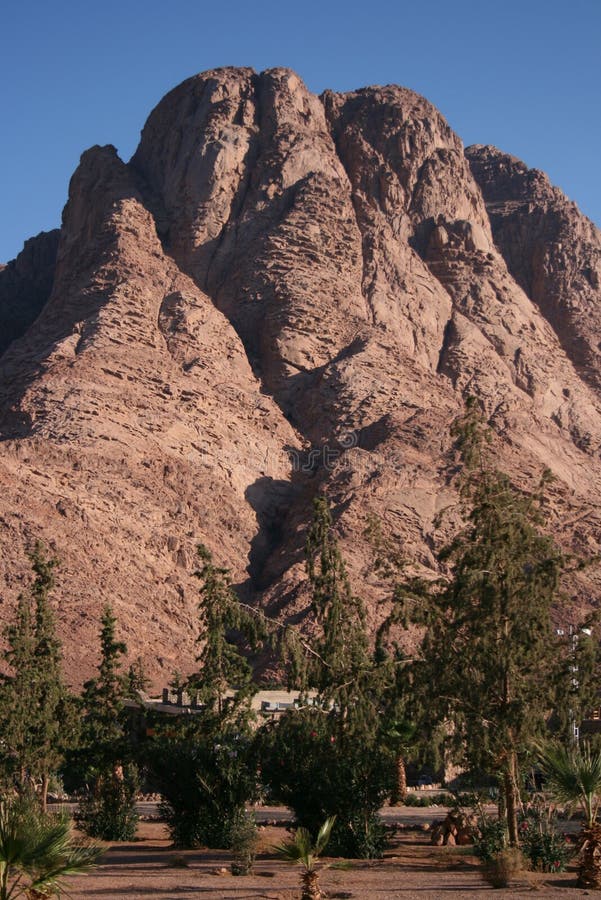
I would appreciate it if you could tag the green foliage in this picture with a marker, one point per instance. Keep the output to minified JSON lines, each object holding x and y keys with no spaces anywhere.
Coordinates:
{"x":491,"y":840}
{"x":302,"y":849}
{"x":243,"y":842}
{"x":341,"y":660}
{"x":330,"y":758}
{"x":103,"y":757}
{"x":137,"y":680}
{"x":488,"y":655}
{"x":573,"y":776}
{"x":104,"y":729}
{"x":37,"y":852}
{"x":540,"y":842}
{"x":108,"y":811}
{"x":577,"y":677}
{"x":205,"y":774}
{"x":222,"y":665}
{"x":320,"y":770}
{"x":425,"y":800}
{"x":35,"y":708}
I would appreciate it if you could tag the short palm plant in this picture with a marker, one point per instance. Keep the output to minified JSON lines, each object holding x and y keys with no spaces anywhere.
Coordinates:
{"x":37,"y":852}
{"x":573,"y":776}
{"x":302,"y":850}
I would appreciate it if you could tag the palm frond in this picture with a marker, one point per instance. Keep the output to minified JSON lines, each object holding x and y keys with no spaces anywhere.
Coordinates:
{"x":324,"y":835}
{"x":301,"y":848}
{"x":573,"y":775}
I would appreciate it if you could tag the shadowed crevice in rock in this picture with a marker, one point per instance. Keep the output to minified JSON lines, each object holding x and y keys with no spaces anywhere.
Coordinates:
{"x":267,"y":260}
{"x":271,"y":501}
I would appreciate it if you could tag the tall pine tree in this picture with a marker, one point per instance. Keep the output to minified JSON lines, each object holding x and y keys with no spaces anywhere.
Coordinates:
{"x":109,"y":810}
{"x":224,"y":681}
{"x":104,"y":732}
{"x":488,"y":654}
{"x":33,"y":699}
{"x":342,"y":665}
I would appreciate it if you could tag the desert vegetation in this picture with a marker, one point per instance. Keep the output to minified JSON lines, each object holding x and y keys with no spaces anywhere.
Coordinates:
{"x":487,"y":689}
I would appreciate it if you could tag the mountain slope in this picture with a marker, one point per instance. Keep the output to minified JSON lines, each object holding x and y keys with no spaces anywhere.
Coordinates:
{"x":282,"y":294}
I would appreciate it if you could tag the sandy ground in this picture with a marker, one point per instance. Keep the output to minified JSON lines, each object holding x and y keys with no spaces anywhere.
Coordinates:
{"x":149,"y":869}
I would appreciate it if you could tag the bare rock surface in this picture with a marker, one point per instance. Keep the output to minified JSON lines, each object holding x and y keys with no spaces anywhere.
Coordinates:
{"x":551,"y":249}
{"x":25,"y":286}
{"x":282,"y":294}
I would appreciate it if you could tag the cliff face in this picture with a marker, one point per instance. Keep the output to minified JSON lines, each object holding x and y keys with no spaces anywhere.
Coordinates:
{"x":25,"y":285}
{"x":282,"y":294}
{"x":551,"y":249}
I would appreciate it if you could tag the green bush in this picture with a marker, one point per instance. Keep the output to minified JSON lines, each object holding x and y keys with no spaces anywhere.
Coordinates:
{"x":205,"y":779}
{"x":541,"y":844}
{"x":243,"y":841}
{"x":417,"y":800}
{"x":313,"y":766}
{"x":108,"y":811}
{"x":491,"y":840}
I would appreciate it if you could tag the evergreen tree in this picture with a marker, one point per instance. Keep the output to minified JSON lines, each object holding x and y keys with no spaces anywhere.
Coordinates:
{"x":224,"y":680}
{"x":202,"y":764}
{"x":33,"y":699}
{"x":103,"y":698}
{"x":489,"y":654}
{"x":109,"y":810}
{"x":342,"y":665}
{"x":578,"y":677}
{"x":330,"y":758}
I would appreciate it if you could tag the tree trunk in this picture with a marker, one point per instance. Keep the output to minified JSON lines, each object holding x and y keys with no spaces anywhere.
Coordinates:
{"x":511,"y":797}
{"x":399,"y":791}
{"x":589,"y":872}
{"x":44,"y":791}
{"x":311,"y":889}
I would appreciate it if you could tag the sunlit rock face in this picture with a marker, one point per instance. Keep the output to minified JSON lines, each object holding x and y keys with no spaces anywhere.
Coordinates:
{"x":283,"y":294}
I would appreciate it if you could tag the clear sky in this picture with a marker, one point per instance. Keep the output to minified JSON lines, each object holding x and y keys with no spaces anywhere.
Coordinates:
{"x":524,"y":75}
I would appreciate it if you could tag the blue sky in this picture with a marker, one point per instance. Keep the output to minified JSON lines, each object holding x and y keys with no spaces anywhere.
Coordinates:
{"x":525,"y":76}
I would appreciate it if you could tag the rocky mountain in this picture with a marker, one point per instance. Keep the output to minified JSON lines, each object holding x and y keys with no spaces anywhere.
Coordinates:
{"x":282,"y":294}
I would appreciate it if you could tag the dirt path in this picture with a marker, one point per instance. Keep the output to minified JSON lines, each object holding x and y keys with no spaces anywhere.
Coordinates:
{"x":149,"y":869}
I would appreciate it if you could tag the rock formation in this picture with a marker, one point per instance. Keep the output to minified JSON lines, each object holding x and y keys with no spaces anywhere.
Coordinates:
{"x":281,"y":294}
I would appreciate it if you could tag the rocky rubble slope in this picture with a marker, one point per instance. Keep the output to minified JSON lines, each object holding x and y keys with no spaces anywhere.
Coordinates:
{"x":281,"y":294}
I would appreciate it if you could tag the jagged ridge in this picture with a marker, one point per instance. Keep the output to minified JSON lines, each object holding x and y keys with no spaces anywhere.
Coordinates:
{"x":282,"y":294}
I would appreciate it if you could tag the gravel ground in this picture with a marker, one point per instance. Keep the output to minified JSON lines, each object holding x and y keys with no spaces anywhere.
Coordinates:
{"x":148,"y":869}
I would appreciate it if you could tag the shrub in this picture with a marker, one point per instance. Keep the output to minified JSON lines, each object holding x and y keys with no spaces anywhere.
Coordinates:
{"x":503,"y":867}
{"x":415,"y":800}
{"x":491,"y":839}
{"x":312,"y":766}
{"x":108,"y":811}
{"x":541,"y":844}
{"x":205,"y":779}
{"x":243,"y":841}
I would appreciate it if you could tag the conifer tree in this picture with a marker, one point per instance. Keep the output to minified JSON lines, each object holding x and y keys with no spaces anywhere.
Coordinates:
{"x":33,"y":699}
{"x":342,"y":660}
{"x":224,"y":680}
{"x":103,"y":698}
{"x":202,"y":764}
{"x":330,"y":758}
{"x":109,"y":810}
{"x":488,"y":655}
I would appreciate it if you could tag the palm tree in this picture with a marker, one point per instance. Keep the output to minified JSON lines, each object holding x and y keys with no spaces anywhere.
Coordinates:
{"x":401,"y":736}
{"x":573,"y":776}
{"x":37,"y":852}
{"x":302,"y":850}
